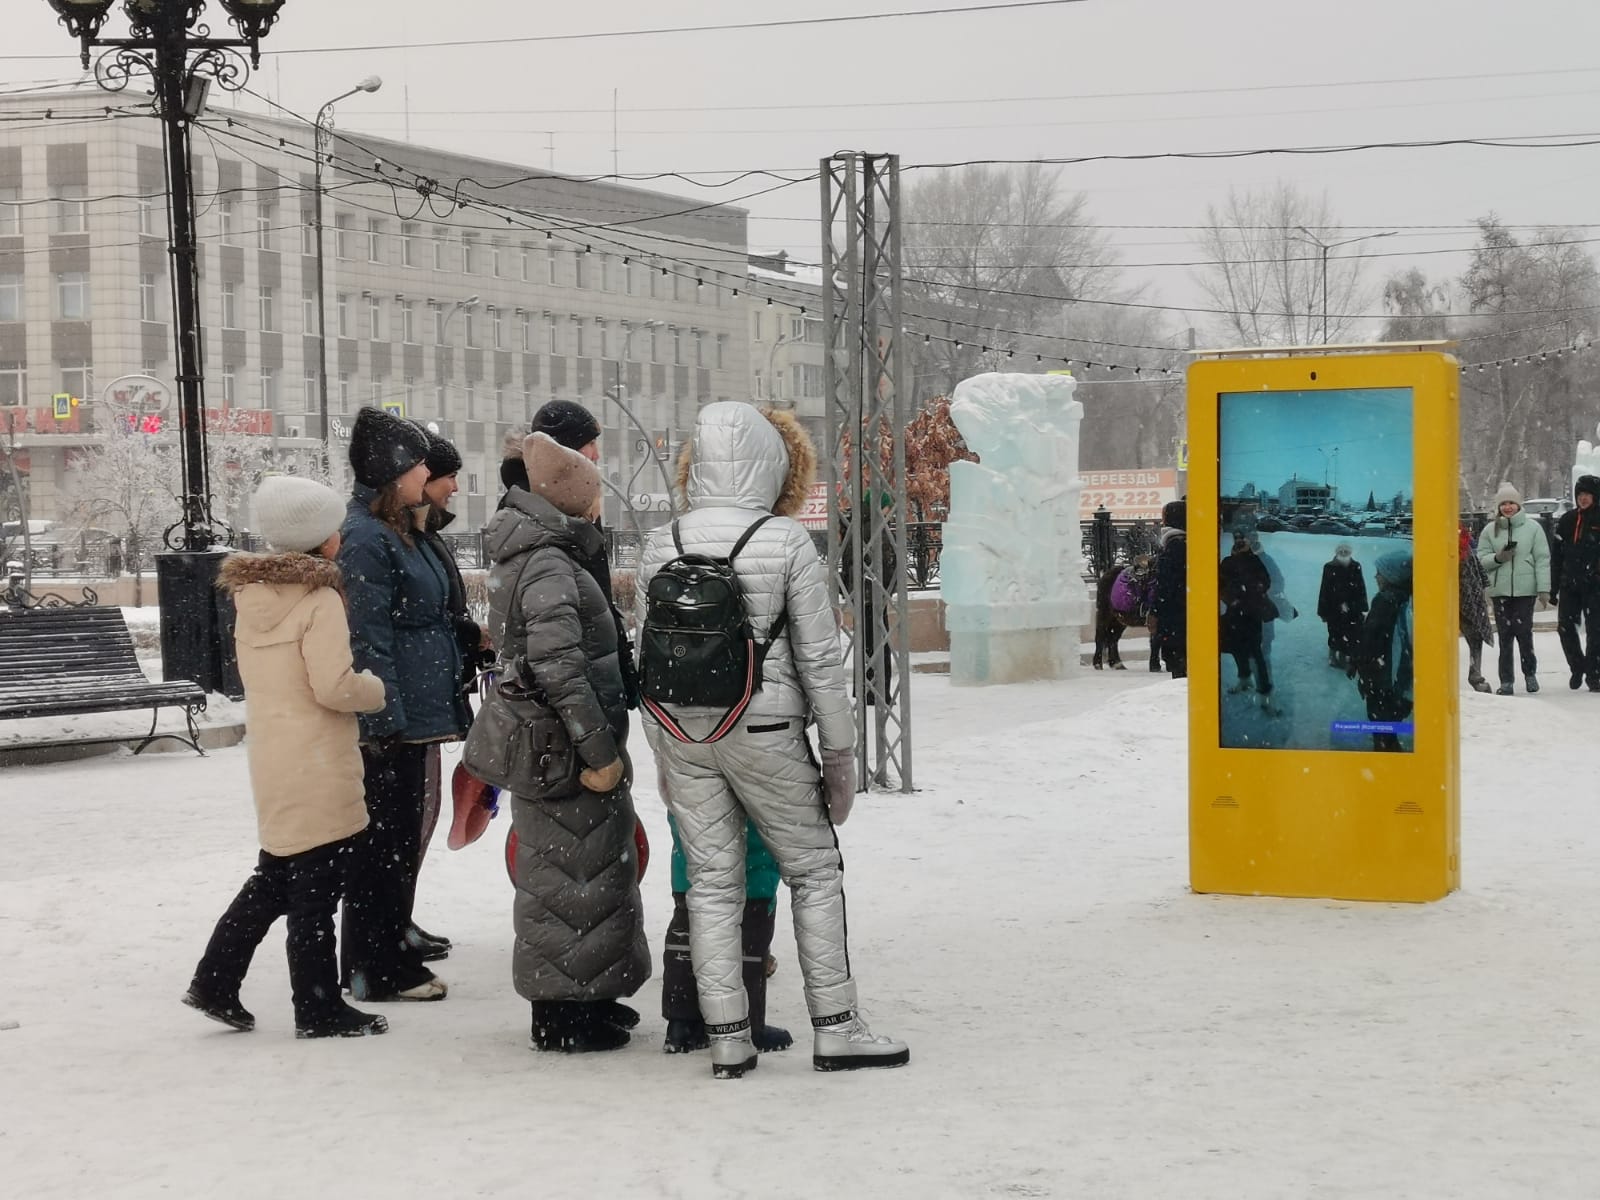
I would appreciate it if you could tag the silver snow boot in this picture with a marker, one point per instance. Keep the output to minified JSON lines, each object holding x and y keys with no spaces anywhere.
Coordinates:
{"x":732,"y":1052}
{"x":844,"y":1043}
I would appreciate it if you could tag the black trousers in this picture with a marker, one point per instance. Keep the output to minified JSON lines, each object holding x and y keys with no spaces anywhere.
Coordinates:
{"x":305,"y":888}
{"x":383,"y":877}
{"x":1344,"y":633}
{"x":679,"y":999}
{"x":1513,"y":618}
{"x":1252,"y":657}
{"x":1575,"y":606}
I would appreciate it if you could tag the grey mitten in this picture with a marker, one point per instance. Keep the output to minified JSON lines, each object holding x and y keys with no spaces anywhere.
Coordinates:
{"x":839,"y":783}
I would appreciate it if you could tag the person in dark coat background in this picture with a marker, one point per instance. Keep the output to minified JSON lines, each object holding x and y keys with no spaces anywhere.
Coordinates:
{"x":1341,"y":605}
{"x":433,"y":517}
{"x":1169,"y":616}
{"x":1384,"y":660}
{"x":1575,"y":579}
{"x":580,"y":943}
{"x":400,"y":631}
{"x":1245,"y":589}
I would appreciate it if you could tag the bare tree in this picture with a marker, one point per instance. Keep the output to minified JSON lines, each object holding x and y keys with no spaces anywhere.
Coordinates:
{"x":1266,"y":269}
{"x":127,"y":486}
{"x":993,"y":254}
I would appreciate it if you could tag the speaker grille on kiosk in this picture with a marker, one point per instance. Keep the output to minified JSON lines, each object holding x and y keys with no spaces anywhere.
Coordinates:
{"x":1409,"y":807}
{"x":1224,"y":802}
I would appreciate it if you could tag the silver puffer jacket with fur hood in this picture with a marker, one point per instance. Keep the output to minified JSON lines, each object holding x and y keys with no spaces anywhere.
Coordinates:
{"x":743,"y":463}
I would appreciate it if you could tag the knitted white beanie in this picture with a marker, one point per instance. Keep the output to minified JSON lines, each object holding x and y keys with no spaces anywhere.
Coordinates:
{"x":295,"y":514}
{"x":1507,"y":492}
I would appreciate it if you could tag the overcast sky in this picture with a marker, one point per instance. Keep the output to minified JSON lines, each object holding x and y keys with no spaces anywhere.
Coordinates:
{"x":1047,"y":82}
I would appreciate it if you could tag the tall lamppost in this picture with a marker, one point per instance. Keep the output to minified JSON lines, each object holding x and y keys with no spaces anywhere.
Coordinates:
{"x":168,"y":42}
{"x":1324,"y":247}
{"x":615,"y":396}
{"x":324,"y":127}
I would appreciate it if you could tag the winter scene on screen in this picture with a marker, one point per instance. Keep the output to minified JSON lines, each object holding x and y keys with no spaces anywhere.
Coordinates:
{"x":1314,"y":570}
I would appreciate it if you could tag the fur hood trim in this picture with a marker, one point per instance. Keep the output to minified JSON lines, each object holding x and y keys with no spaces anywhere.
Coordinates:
{"x":282,"y":570}
{"x":802,"y":463}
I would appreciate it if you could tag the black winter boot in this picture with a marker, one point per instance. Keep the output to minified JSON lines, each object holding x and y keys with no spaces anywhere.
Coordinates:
{"x":574,"y":1027}
{"x":614,"y":1012}
{"x":685,"y":1037}
{"x":228,"y":1012}
{"x":343,"y":1021}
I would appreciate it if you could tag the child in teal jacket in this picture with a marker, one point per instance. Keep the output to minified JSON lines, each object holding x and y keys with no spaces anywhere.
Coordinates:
{"x":680,"y":1003}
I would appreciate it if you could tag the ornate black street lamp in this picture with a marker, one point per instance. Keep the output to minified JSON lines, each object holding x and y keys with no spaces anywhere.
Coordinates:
{"x":168,"y":42}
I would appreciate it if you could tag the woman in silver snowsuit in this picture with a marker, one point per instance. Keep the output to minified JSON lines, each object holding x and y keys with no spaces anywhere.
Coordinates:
{"x":742,"y":465}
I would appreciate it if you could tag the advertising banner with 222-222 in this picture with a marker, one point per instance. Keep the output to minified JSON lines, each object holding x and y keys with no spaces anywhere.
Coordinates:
{"x":1135,"y":495}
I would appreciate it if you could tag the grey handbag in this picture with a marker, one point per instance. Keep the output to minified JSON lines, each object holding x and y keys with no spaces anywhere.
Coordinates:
{"x":519,"y":743}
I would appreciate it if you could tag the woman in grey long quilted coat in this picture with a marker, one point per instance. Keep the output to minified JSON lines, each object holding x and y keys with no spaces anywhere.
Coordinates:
{"x":579,"y":922}
{"x":742,"y":464}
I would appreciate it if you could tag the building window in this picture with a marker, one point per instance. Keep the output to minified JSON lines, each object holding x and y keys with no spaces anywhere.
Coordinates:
{"x":269,"y":314}
{"x":409,"y":391}
{"x":375,"y":393}
{"x":13,"y":384}
{"x":147,"y":216}
{"x":72,"y":296}
{"x":148,"y":299}
{"x":439,"y":330}
{"x":498,"y":321}
{"x":375,"y":319}
{"x":269,"y":389}
{"x":469,"y":256}
{"x":374,"y":240}
{"x":527,"y":333}
{"x":579,"y":342}
{"x":605,"y":336}
{"x":469,"y":332}
{"x":655,"y":343}
{"x":555,"y":333}
{"x":68,"y":210}
{"x":308,"y":231}
{"x":10,"y":212}
{"x":677,"y":346}
{"x":699,"y":348}
{"x":499,"y":252}
{"x":408,"y":322}
{"x":11,"y":297}
{"x":631,"y":277}
{"x":77,"y":379}
{"x":502,"y":409}
{"x":755,"y":327}
{"x":266,"y":221}
{"x":344,"y":392}
{"x":527,"y":263}
{"x":722,"y":351}
{"x":580,"y":268}
{"x":228,"y":221}
{"x":438,"y":399}
{"x":408,"y":243}
{"x":677,"y":287}
{"x":343,"y":247}
{"x":438,"y":248}
{"x":342,"y":310}
{"x":308,"y":310}
{"x":553,"y":271}
{"x":230,"y":306}
{"x":229,"y":379}
{"x":311,"y":392}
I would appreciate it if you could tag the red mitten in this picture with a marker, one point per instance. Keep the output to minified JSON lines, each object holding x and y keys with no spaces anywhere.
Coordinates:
{"x":641,"y":847}
{"x":474,"y":804}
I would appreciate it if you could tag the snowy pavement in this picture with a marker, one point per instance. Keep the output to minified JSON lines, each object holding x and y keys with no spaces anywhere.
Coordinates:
{"x":1081,"y":1025}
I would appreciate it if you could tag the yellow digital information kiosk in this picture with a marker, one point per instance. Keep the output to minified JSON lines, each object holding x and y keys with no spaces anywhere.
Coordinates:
{"x":1323,"y":598}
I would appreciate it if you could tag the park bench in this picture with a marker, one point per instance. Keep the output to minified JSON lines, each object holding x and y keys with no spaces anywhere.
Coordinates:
{"x":66,"y":659}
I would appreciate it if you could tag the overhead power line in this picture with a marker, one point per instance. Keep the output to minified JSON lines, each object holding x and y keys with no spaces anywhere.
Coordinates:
{"x":595,"y":35}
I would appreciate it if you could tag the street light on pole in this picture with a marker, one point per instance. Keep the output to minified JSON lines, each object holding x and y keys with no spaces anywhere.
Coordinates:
{"x":1324,"y":247}
{"x":322,"y":129}
{"x":169,"y":41}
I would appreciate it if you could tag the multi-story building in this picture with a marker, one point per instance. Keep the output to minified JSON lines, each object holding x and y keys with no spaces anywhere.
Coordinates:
{"x":463,"y":292}
{"x":787,"y":350}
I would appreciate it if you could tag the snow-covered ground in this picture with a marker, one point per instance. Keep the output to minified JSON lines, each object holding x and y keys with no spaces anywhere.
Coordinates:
{"x":1081,"y":1024}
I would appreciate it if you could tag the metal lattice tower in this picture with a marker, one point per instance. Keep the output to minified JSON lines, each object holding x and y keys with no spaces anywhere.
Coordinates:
{"x":866,"y":451}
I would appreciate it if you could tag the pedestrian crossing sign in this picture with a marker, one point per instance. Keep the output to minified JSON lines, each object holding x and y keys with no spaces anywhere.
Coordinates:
{"x":62,"y":404}
{"x":397,"y":407}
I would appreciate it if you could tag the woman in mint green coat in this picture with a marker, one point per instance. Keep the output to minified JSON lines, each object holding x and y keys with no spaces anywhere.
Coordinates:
{"x":1516,"y":557}
{"x":680,"y":1003}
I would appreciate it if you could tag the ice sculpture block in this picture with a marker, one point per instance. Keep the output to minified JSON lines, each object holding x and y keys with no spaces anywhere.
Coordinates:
{"x":1012,"y":566}
{"x":1587,"y":462}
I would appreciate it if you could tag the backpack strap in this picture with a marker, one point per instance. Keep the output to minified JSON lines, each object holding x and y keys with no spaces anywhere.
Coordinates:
{"x":744,"y":537}
{"x":676,"y":540}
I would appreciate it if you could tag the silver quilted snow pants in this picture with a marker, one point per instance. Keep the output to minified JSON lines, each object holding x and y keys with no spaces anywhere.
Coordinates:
{"x":770,"y":777}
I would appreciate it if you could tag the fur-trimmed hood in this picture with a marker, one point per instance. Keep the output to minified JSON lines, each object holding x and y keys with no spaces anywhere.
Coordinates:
{"x":266,"y":588}
{"x":747,"y":457}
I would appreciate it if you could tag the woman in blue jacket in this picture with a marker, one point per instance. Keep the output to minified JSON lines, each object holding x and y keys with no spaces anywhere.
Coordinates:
{"x":401,"y":631}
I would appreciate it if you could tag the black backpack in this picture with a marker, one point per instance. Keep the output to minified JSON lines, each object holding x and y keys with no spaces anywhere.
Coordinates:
{"x":696,"y":647}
